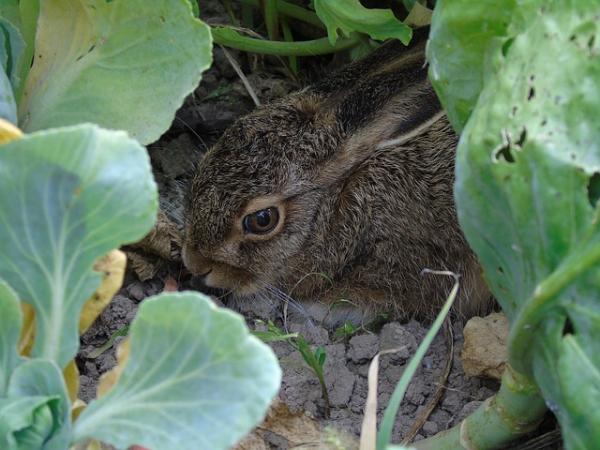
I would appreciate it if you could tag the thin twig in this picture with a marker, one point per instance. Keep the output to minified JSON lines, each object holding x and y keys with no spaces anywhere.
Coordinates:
{"x":240,"y":74}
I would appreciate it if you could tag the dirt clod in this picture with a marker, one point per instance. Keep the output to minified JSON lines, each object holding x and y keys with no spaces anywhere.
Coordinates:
{"x":363,"y":348}
{"x":485,"y":353}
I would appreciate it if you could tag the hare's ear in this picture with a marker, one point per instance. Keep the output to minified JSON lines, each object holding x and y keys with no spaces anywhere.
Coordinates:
{"x":392,"y":103}
{"x":388,"y":57}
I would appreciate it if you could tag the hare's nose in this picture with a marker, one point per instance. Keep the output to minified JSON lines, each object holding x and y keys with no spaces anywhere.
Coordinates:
{"x":195,"y":262}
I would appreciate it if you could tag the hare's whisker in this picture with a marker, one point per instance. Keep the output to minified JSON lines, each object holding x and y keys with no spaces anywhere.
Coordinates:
{"x":260,"y":296}
{"x":285,"y":298}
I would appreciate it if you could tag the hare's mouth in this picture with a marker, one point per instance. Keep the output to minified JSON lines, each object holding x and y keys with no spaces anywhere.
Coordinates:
{"x":232,"y":279}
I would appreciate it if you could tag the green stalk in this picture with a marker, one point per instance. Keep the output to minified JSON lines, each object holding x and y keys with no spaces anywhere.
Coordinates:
{"x":271,"y":19}
{"x":515,"y":410}
{"x":525,"y":325}
{"x":291,"y":10}
{"x":287,"y":36}
{"x":230,"y":38}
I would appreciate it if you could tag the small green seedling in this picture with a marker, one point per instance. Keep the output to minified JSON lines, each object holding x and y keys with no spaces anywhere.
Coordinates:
{"x":273,"y":333}
{"x":121,"y":332}
{"x":345,"y":331}
{"x":315,"y":359}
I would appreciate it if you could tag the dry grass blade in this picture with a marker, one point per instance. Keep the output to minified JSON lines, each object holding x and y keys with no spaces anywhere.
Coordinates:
{"x":368,"y":432}
{"x":240,"y":74}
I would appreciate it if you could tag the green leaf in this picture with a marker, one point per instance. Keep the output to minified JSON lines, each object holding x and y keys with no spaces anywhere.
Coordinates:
{"x":320,"y":356}
{"x":51,"y":427}
{"x":462,"y":32}
{"x":195,"y":8}
{"x":568,"y":371}
{"x":9,"y":9}
{"x":93,"y":354}
{"x":525,"y":165}
{"x":194,"y":370}
{"x":25,"y":422}
{"x":121,"y":64}
{"x":349,"y":16}
{"x":269,"y":336}
{"x":18,"y":33}
{"x":409,"y":4}
{"x":11,"y":51}
{"x":10,"y":327}
{"x":419,"y":16}
{"x":68,"y":196}
{"x":28,"y":11}
{"x":8,"y":108}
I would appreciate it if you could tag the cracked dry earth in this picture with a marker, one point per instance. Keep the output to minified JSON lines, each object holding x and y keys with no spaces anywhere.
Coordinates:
{"x":346,"y":368}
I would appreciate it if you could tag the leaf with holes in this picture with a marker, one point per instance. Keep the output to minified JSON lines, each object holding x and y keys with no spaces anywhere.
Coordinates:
{"x":349,"y":16}
{"x":463,"y":35}
{"x":121,"y":64}
{"x":68,"y":197}
{"x":195,"y":378}
{"x":527,"y":201}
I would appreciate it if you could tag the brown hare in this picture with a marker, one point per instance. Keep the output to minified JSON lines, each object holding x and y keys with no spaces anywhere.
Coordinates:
{"x":342,"y":191}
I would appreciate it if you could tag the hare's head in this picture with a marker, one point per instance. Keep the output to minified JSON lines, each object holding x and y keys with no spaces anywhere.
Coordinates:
{"x":253,"y":198}
{"x":265,"y":191}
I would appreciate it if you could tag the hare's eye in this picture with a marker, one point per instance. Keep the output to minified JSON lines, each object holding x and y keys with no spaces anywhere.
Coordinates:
{"x":261,"y":222}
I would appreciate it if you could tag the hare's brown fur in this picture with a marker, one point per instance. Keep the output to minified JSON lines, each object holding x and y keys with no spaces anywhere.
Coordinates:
{"x":361,"y":166}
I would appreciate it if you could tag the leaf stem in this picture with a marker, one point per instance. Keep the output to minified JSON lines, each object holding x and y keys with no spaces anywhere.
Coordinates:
{"x":231,"y":38}
{"x":515,"y":410}
{"x":271,"y":19}
{"x":288,"y":37}
{"x":544,"y":296}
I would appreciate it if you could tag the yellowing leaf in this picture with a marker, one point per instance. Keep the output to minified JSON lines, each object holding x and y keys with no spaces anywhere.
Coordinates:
{"x":77,"y":408}
{"x":87,"y":51}
{"x":27,"y":330}
{"x":94,"y":445}
{"x":108,"y":380}
{"x":71,"y":376}
{"x":112,"y":267}
{"x":79,"y":192}
{"x":8,"y":131}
